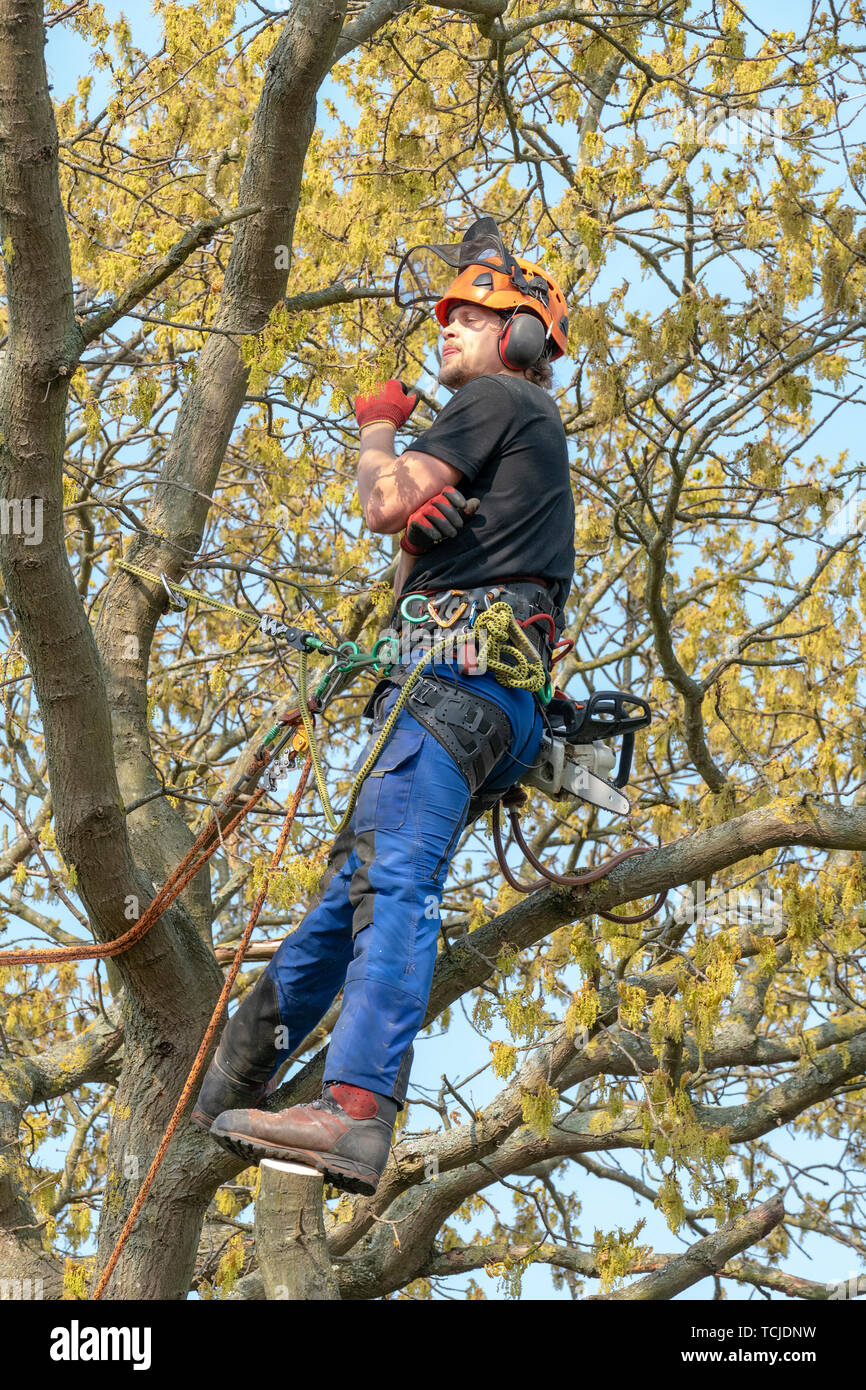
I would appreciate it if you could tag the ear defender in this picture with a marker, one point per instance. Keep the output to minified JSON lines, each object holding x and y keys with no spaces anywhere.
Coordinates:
{"x":522,"y":341}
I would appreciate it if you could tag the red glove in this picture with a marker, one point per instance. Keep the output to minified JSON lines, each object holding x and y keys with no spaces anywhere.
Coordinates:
{"x":437,"y":519}
{"x":390,"y":402}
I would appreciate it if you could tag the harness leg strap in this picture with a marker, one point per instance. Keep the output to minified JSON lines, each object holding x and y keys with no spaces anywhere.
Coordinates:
{"x":474,"y":730}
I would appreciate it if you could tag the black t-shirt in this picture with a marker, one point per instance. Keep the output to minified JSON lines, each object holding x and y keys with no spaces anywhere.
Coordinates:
{"x":506,"y":437}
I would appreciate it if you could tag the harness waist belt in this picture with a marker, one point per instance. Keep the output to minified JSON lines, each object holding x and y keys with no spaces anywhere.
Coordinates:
{"x":454,"y":607}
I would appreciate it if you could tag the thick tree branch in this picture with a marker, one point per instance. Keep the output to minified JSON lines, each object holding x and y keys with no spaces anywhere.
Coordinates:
{"x":471,"y":960}
{"x":791,"y":1285}
{"x":381,"y":12}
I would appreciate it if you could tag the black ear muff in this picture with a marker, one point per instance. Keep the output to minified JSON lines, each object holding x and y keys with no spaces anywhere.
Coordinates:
{"x":522,"y":341}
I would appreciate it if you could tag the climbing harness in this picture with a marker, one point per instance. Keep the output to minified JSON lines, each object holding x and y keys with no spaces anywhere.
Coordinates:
{"x":408,"y":680}
{"x":475,"y":730}
{"x":495,"y":629}
{"x":573,"y":761}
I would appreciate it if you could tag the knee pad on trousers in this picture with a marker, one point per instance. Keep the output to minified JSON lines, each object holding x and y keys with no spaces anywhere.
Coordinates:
{"x":402,"y":1082}
{"x":247,"y":1050}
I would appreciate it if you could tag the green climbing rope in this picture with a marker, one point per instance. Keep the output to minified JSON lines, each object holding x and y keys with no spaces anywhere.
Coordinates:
{"x":193,"y":594}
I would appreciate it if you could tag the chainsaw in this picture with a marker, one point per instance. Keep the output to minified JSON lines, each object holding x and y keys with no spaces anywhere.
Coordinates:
{"x":574,"y":759}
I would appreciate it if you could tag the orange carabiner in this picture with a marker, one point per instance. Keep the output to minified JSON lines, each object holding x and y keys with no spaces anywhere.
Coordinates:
{"x":440,"y":622}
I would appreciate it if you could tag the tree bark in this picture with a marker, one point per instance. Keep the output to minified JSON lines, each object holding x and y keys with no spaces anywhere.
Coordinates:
{"x":93,"y":697}
{"x":284,"y":122}
{"x":705,"y":1257}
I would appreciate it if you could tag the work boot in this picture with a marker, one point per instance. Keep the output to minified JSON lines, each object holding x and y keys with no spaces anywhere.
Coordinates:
{"x":345,"y":1136}
{"x":245,"y":1058}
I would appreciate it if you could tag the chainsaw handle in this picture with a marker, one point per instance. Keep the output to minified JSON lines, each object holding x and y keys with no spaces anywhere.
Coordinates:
{"x":625,"y":756}
{"x":605,"y":714}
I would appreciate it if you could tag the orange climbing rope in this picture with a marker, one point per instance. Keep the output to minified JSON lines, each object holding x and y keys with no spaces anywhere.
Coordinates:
{"x":174,"y":885}
{"x":198,"y":1064}
{"x":195,"y":859}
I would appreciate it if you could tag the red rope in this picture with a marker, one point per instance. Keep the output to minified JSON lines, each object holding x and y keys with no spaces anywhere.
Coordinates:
{"x":567,"y":880}
{"x":540,"y":618}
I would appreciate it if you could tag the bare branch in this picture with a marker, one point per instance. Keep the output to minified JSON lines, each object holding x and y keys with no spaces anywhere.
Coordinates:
{"x":191,"y":241}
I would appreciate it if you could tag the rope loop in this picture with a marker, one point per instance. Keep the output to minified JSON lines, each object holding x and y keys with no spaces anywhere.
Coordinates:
{"x":515,"y":664}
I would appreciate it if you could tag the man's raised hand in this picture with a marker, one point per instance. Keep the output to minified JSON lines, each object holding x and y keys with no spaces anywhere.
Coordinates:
{"x":391,"y":402}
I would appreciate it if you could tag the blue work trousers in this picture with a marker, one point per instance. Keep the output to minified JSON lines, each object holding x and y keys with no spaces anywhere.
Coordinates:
{"x":374,"y":925}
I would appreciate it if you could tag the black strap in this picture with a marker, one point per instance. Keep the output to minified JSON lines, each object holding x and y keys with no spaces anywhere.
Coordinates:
{"x":473,"y":729}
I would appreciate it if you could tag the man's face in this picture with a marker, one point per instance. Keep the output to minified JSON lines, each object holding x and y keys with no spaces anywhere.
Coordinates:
{"x":469,"y":345}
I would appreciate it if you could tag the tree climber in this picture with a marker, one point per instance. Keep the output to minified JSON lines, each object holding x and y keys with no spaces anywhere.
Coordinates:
{"x":460,"y":741}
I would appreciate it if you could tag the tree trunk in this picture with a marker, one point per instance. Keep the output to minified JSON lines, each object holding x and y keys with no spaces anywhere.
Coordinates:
{"x":290,"y":1237}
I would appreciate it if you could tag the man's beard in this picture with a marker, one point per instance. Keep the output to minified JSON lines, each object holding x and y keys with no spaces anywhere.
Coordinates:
{"x":453,"y":375}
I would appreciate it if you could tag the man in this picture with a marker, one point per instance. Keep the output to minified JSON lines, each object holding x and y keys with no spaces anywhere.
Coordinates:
{"x":458,"y":744}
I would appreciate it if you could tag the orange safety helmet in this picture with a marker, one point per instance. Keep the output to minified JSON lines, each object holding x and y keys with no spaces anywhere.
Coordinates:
{"x":490,"y":276}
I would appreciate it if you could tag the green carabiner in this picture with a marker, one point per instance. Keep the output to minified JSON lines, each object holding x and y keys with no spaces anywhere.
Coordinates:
{"x":545,"y":694}
{"x":352,"y":652}
{"x":408,"y":616}
{"x":388,"y":642}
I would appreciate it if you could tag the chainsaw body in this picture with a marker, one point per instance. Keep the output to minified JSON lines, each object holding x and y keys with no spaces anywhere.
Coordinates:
{"x":574,"y":759}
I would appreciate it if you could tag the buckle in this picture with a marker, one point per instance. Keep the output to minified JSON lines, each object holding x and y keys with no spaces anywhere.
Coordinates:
{"x":450,"y":710}
{"x":453,"y":710}
{"x":421,"y":692}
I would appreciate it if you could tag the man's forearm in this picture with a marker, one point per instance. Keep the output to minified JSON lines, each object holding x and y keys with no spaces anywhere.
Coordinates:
{"x":377,"y":460}
{"x":392,"y":487}
{"x":376,"y":469}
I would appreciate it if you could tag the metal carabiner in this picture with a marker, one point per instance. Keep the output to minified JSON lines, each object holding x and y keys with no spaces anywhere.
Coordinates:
{"x":352,"y":652}
{"x":393,"y":652}
{"x":441,"y":622}
{"x":176,"y":601}
{"x":433,"y":608}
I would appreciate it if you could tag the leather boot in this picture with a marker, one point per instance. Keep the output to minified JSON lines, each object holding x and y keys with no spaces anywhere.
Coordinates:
{"x":245,"y":1058}
{"x":345,"y":1136}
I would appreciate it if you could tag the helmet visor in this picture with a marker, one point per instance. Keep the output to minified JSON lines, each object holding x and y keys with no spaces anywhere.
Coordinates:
{"x":419,"y":274}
